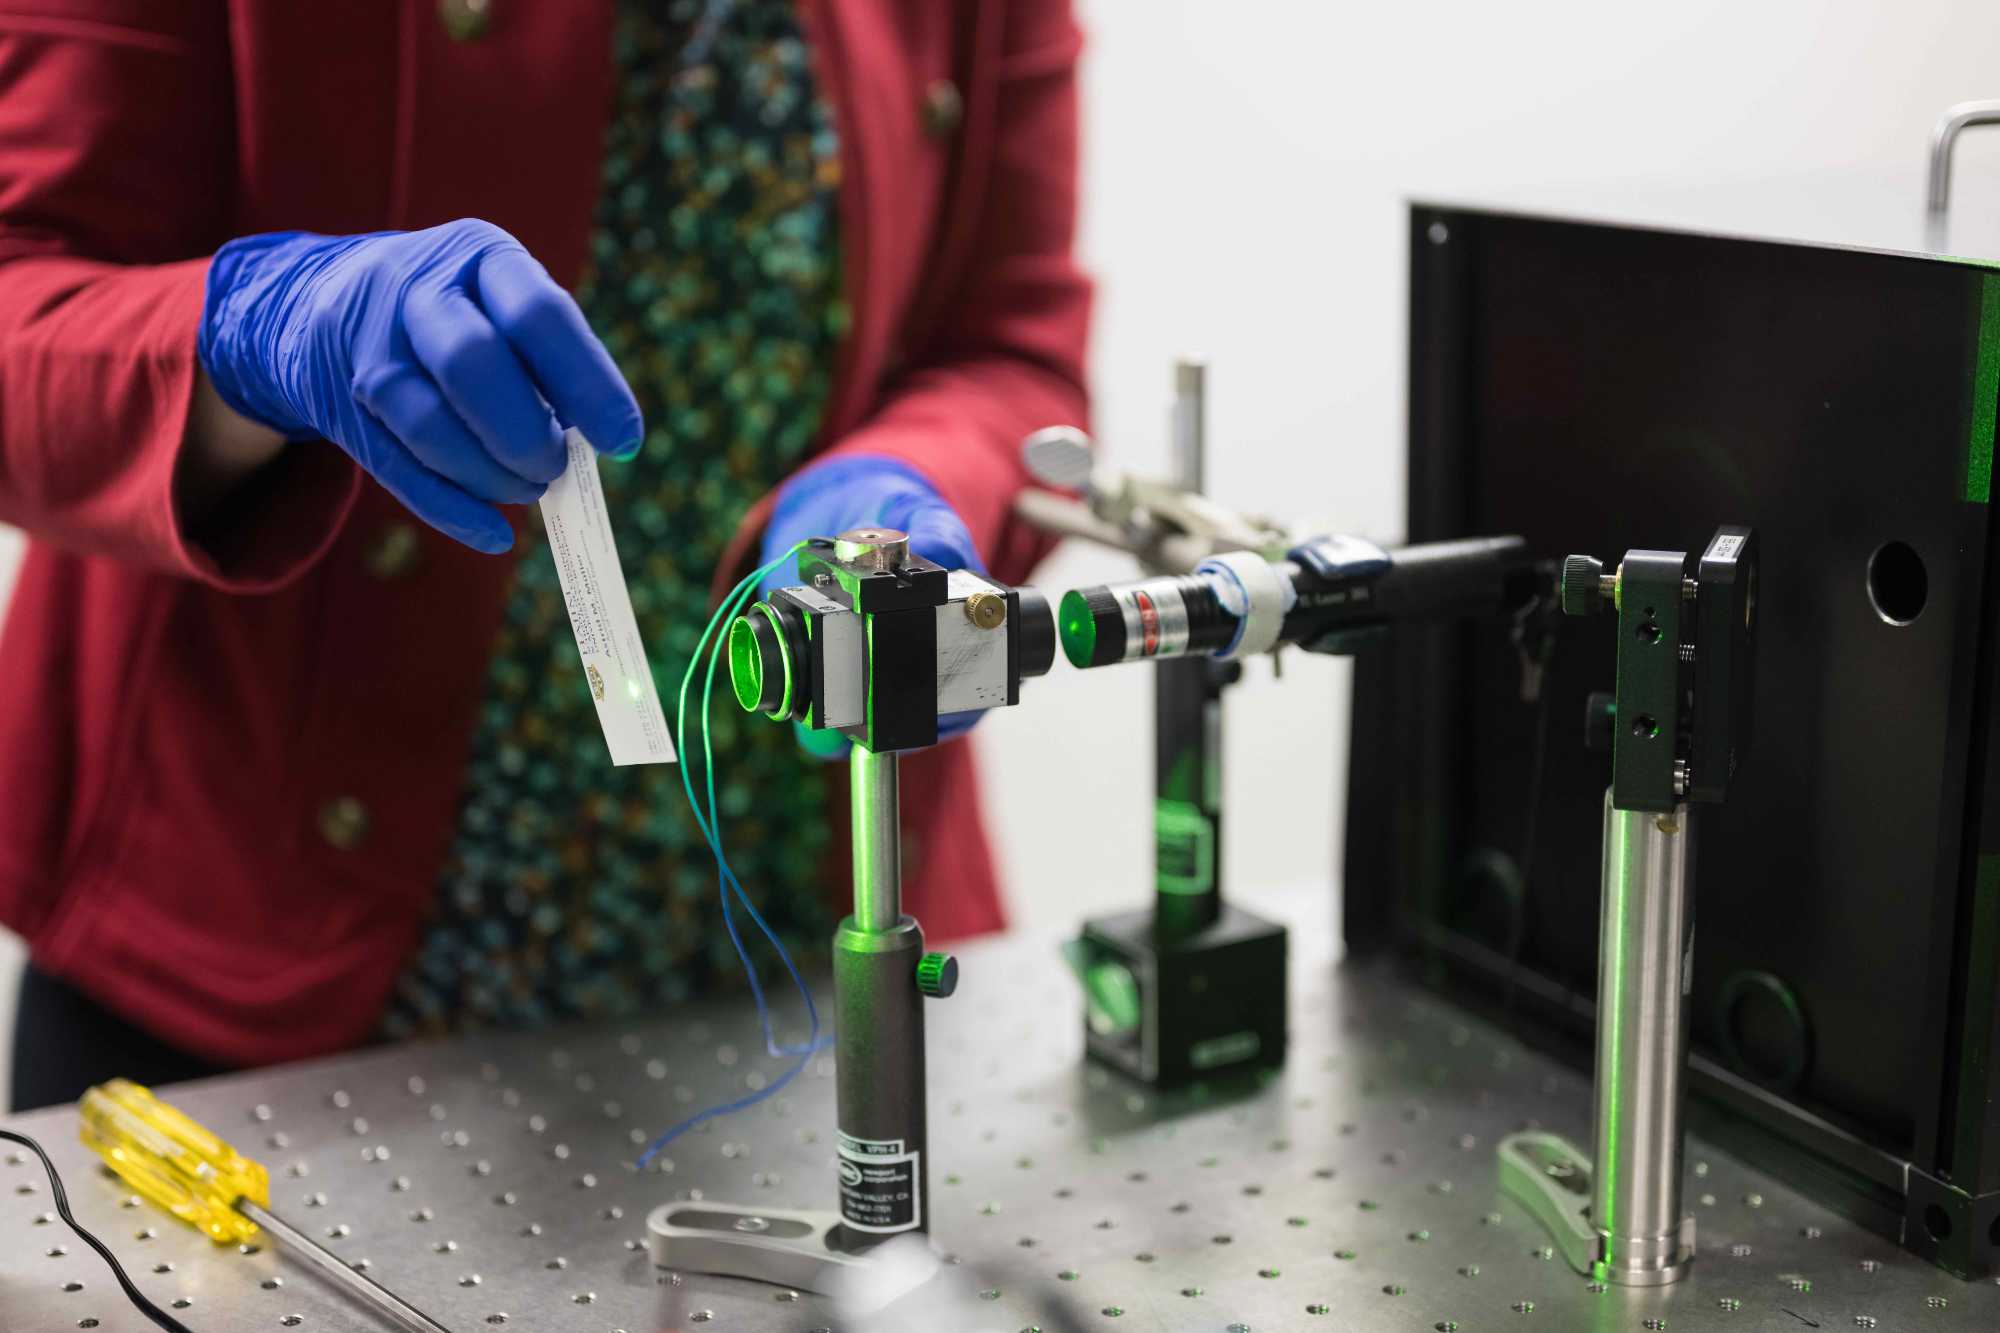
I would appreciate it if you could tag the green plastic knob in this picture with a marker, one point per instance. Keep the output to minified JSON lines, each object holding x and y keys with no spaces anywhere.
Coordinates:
{"x":937,"y":975}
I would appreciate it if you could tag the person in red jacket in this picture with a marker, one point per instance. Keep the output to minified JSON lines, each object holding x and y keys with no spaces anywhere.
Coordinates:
{"x":295,"y":751}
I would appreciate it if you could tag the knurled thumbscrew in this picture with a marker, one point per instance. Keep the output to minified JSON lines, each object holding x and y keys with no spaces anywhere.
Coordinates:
{"x":1585,"y":585}
{"x":937,"y":975}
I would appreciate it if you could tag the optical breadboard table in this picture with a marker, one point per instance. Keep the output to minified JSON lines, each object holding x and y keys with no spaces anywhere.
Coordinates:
{"x":491,"y":1182}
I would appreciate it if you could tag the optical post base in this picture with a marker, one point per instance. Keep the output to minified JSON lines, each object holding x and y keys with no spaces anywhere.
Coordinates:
{"x":881,"y":976}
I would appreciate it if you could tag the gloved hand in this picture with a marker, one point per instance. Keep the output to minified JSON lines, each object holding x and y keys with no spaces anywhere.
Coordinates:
{"x":864,"y":491}
{"x":446,"y":362}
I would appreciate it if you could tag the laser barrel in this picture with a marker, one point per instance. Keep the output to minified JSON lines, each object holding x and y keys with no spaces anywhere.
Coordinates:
{"x":1239,"y":604}
{"x":1177,"y":615}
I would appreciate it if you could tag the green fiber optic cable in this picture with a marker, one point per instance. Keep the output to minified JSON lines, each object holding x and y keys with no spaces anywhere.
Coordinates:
{"x":727,"y":881}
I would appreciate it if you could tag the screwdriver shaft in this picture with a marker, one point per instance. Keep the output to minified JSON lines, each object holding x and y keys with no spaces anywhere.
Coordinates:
{"x":355,"y":1283}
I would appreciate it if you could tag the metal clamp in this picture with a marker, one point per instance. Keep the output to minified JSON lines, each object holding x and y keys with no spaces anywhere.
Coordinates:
{"x":1944,"y":136}
{"x":1170,"y":525}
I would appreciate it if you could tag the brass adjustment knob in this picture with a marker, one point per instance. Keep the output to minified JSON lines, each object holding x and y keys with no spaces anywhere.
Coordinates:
{"x":987,"y":610}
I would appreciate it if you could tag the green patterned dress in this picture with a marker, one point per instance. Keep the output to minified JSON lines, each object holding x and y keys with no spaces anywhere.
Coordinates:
{"x":572,"y":888}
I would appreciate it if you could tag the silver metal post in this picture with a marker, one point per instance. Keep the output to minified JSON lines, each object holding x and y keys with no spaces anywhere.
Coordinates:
{"x":1616,"y":1214}
{"x":878,"y":857}
{"x":1644,"y":967}
{"x":1190,"y":423}
{"x":1187,"y":724}
{"x":1943,"y":137}
{"x":356,"y":1284}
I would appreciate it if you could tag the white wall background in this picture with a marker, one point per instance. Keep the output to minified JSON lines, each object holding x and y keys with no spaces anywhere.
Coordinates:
{"x":1244,"y":171}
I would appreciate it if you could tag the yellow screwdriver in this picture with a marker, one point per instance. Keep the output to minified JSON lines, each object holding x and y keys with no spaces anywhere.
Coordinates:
{"x":182,"y":1167}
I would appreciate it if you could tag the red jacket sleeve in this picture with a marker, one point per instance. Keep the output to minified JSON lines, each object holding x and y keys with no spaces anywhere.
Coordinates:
{"x":116,"y":180}
{"x":1007,"y":357}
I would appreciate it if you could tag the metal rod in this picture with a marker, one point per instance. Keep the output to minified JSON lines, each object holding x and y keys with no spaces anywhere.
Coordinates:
{"x":1187,"y":723}
{"x":356,"y":1284}
{"x":1065,"y":517}
{"x":1646,"y":937}
{"x":878,"y":1021}
{"x":1178,"y":553}
{"x":1190,"y":423}
{"x":878,"y":857}
{"x":1943,"y":137}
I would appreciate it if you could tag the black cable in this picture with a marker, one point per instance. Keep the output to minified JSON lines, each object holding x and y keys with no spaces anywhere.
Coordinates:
{"x":137,"y":1297}
{"x":1541,"y":658}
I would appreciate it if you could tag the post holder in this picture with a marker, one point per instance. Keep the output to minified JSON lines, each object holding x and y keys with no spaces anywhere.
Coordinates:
{"x":1679,"y":724}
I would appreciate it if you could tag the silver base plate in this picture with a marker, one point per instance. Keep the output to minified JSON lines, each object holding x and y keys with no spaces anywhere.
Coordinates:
{"x":1551,"y":1178}
{"x":782,"y":1247}
{"x":493,"y":1178}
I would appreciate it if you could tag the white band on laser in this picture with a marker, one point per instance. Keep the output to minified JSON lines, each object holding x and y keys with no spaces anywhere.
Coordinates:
{"x":1250,"y":589}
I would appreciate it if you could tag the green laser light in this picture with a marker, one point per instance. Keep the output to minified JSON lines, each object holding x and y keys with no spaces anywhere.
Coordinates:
{"x":746,"y":665}
{"x":1078,"y":629}
{"x":760,"y":663}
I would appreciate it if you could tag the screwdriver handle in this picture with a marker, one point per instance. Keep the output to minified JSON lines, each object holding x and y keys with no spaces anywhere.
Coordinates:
{"x":194,"y":1175}
{"x":172,"y":1160}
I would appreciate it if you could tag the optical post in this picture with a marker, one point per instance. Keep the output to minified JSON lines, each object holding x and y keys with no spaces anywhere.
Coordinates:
{"x":1679,"y":725}
{"x":877,"y":644}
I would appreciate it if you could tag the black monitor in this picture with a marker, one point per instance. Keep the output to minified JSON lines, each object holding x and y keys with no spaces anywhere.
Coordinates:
{"x":1599,"y":385}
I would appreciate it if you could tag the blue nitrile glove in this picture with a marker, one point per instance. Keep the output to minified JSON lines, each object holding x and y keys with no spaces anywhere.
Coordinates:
{"x":865,"y":491}
{"x":446,"y":361}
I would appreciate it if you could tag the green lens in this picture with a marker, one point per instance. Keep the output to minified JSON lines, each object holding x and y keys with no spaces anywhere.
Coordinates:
{"x":1078,"y":629}
{"x":1111,"y":998}
{"x":746,"y":665}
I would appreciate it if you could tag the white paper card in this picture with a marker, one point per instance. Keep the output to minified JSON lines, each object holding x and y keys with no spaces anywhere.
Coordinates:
{"x":600,"y":611}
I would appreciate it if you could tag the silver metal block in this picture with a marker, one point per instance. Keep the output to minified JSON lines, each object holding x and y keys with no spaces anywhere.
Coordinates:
{"x":971,"y":662}
{"x":843,"y":657}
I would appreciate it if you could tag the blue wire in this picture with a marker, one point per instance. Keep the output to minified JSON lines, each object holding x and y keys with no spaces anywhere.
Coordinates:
{"x":710,"y":828}
{"x":727,"y":880}
{"x":711,"y":831}
{"x":714,"y":1112}
{"x":729,"y":877}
